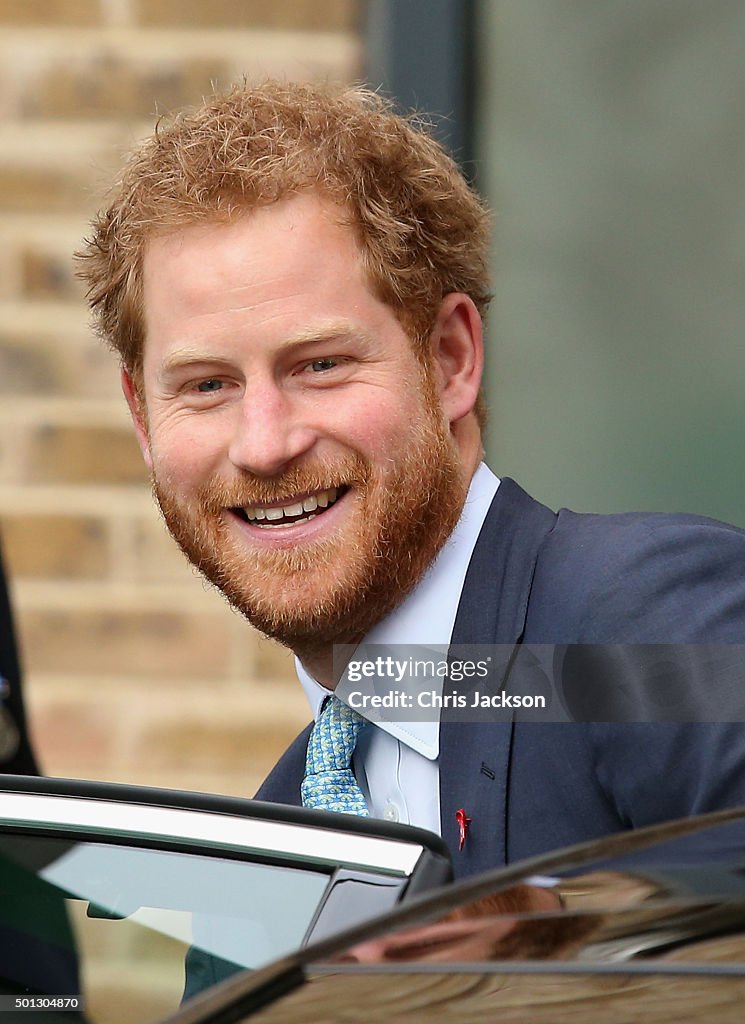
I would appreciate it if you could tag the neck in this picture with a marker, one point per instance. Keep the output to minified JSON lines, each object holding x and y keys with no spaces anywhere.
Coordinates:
{"x":320,"y":666}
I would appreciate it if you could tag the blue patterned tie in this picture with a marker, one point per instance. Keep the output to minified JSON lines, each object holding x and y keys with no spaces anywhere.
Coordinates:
{"x":329,"y":784}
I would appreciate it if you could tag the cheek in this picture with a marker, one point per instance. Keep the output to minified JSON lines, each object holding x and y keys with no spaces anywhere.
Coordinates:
{"x":185,"y":454}
{"x":379,"y":429}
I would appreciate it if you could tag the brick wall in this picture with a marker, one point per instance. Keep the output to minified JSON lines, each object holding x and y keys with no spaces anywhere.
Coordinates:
{"x":134,"y":669}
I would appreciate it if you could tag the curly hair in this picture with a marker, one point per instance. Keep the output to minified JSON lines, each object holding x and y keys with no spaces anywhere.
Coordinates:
{"x":423,"y":232}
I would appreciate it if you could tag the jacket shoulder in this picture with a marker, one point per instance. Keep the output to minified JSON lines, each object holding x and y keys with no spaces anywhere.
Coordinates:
{"x":639,"y":578}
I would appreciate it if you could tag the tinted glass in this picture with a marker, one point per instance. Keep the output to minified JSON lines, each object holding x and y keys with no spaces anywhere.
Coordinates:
{"x":118,"y":924}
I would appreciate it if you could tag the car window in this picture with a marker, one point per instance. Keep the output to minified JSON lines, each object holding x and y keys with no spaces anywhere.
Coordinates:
{"x":118,"y":923}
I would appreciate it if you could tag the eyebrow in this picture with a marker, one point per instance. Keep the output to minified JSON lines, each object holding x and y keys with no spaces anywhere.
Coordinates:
{"x":338,"y":330}
{"x":335,"y":330}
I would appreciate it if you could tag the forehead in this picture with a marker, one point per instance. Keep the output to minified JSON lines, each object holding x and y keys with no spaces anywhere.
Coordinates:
{"x":304,"y":237}
{"x":281,"y":269}
{"x":283,"y":227}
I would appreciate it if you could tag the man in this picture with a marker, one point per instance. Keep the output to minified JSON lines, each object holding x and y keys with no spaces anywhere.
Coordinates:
{"x":294,"y":278}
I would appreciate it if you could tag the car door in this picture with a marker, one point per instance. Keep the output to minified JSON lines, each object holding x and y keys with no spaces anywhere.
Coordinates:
{"x":128,"y":900}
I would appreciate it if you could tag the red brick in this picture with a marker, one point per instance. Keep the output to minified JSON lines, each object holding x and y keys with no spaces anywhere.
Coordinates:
{"x":39,"y":362}
{"x":48,"y":275}
{"x":84,"y":454}
{"x":172,"y":644}
{"x":42,"y":189}
{"x":74,"y":740}
{"x":199,"y":743}
{"x":49,"y":546}
{"x":113,"y":87}
{"x":26,"y":369}
{"x":325,"y":15}
{"x":45,"y":13}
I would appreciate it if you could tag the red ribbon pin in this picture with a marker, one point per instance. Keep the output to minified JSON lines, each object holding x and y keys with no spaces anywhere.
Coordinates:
{"x":463,"y":822}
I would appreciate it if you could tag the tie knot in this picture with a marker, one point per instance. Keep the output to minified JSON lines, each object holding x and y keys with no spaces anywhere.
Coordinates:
{"x":335,"y":736}
{"x":329,"y":783}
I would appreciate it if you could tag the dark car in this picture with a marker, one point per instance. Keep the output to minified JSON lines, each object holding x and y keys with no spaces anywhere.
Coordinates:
{"x":117,"y":903}
{"x":646,"y":925}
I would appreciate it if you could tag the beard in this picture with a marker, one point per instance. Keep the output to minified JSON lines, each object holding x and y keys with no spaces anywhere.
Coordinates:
{"x":331,"y":590}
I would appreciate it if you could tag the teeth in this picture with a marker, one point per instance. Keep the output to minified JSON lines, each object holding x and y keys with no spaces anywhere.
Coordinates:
{"x":283,"y":526}
{"x":327,"y":498}
{"x":273,"y":515}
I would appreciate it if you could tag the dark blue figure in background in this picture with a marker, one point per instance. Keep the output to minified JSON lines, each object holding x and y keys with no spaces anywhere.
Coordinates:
{"x":16,"y":755}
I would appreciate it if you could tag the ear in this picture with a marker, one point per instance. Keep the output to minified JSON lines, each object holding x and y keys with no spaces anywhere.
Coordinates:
{"x":135,"y":401}
{"x":457,"y":352}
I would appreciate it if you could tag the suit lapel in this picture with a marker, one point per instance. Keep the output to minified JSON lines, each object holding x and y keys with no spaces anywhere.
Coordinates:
{"x":475,"y":756}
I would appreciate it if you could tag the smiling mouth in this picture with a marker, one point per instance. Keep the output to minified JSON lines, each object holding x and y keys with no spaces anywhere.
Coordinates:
{"x":301,"y":511}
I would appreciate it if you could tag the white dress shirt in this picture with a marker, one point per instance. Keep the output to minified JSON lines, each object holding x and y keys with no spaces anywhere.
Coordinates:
{"x":397,"y":762}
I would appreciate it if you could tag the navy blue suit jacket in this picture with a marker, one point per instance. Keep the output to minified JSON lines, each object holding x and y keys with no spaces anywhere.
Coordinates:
{"x":563,"y":578}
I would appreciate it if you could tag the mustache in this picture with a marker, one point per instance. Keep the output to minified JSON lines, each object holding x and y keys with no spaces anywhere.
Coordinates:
{"x":249,"y":491}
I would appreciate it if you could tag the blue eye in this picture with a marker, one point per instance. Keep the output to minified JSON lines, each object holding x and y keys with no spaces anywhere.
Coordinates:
{"x":319,"y":365}
{"x":208,"y":386}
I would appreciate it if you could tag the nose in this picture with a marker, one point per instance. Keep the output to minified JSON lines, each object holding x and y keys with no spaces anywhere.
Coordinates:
{"x":270,"y":431}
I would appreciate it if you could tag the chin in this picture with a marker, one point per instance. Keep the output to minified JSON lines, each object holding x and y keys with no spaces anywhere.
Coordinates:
{"x":295,"y":613}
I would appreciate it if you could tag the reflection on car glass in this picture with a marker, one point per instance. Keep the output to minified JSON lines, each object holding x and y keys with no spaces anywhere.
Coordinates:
{"x":99,"y":911}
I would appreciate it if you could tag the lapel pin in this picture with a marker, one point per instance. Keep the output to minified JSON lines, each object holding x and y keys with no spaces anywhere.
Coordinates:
{"x":463,"y":822}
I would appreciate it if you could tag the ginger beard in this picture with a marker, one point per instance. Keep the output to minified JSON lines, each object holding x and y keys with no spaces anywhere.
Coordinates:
{"x":331,"y":590}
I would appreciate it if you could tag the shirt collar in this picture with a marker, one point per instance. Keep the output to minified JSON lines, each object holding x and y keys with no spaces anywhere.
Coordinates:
{"x":427,"y":615}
